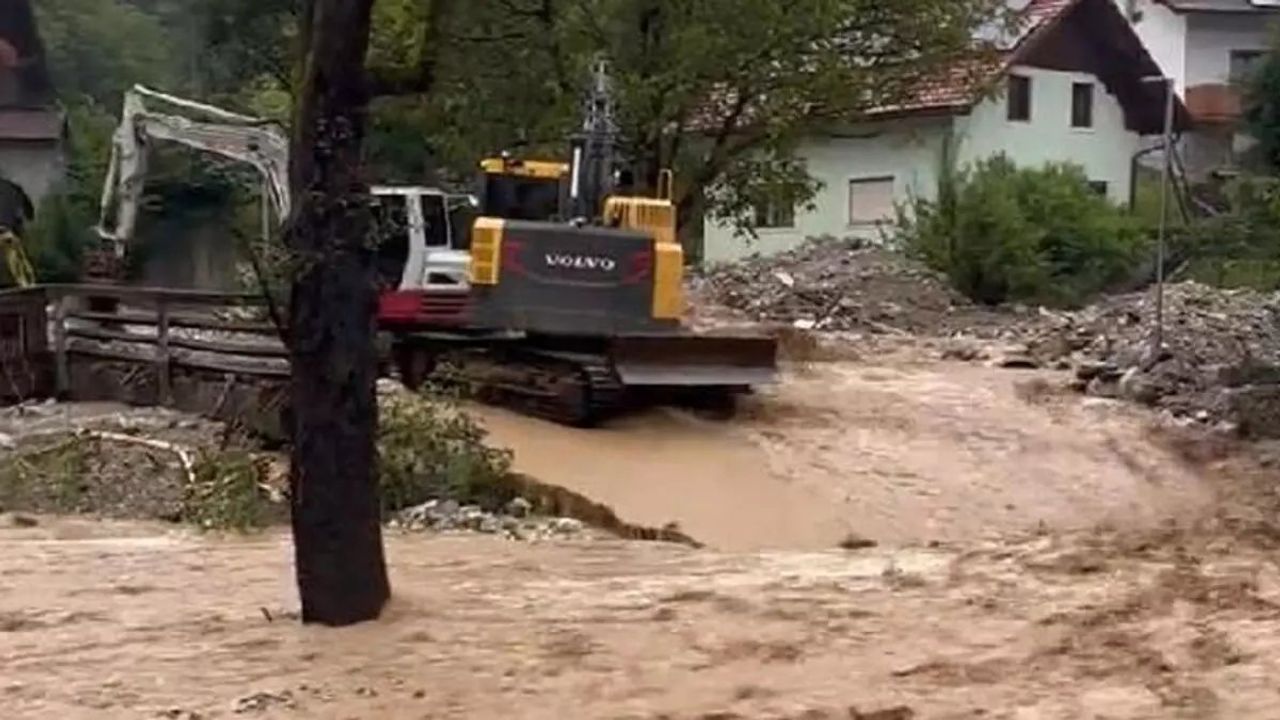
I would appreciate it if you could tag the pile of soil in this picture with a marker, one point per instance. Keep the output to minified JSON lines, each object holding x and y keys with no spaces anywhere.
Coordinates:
{"x":835,"y":284}
{"x":79,"y":459}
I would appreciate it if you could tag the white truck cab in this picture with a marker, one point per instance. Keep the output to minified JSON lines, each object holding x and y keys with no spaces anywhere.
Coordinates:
{"x":425,"y":236}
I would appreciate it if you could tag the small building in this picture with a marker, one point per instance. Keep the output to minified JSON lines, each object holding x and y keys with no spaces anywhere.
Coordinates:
{"x":1074,"y":84}
{"x":32,"y":126}
{"x":1207,"y":47}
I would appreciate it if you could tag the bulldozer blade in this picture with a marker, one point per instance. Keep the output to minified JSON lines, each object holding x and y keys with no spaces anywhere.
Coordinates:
{"x":738,"y":361}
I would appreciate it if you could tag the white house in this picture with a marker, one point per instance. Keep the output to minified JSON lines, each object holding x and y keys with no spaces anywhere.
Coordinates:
{"x":1072,"y":86}
{"x":1207,"y":46}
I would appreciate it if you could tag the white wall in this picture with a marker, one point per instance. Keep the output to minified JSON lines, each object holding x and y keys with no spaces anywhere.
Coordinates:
{"x":1164,"y":33}
{"x":1105,"y":150}
{"x":910,"y":152}
{"x":1212,"y":36}
{"x":37,"y":167}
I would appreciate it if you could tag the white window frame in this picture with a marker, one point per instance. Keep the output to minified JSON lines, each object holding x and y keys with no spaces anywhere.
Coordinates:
{"x":867,"y":180}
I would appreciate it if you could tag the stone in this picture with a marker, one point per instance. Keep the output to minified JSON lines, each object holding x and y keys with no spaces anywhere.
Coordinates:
{"x":566,"y":526}
{"x":1101,"y":388}
{"x":519,"y":507}
{"x":17,"y":521}
{"x":7,"y":442}
{"x":1136,"y":387}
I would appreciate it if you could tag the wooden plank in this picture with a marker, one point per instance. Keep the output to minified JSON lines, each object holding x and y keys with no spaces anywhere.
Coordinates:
{"x":62,"y":369}
{"x":230,"y":367}
{"x":151,"y":295}
{"x":162,"y":354}
{"x":178,"y":320}
{"x":110,"y":335}
{"x":229,"y":348}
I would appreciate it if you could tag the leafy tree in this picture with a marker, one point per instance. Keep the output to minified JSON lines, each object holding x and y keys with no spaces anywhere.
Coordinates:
{"x":719,"y":90}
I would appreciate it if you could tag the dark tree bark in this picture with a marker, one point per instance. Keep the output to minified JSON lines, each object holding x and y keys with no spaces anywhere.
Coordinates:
{"x":342,"y":575}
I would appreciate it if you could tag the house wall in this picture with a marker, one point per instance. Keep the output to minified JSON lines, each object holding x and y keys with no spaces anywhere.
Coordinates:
{"x":37,"y":167}
{"x":909,"y":152}
{"x":1164,"y":33}
{"x":1105,"y":151}
{"x":1212,"y":36}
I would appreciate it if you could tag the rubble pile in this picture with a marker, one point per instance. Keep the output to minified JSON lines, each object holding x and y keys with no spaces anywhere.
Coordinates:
{"x":839,"y":285}
{"x":514,"y":522}
{"x":1219,"y":362}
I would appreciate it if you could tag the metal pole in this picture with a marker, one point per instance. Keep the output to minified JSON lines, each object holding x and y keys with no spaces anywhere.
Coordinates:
{"x":1157,"y":342}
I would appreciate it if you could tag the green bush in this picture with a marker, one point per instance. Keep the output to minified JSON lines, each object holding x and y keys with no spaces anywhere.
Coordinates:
{"x":429,"y":449}
{"x":1239,"y":247}
{"x":1003,"y":233}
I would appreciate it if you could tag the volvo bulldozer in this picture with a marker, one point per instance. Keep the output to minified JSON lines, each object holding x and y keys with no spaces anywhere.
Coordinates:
{"x":545,"y":289}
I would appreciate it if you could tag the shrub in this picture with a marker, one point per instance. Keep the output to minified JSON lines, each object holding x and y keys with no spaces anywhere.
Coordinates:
{"x":429,"y":449}
{"x":1003,"y":233}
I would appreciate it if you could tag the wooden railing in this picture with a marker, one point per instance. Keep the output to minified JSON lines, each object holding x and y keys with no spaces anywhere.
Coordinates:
{"x":64,"y":339}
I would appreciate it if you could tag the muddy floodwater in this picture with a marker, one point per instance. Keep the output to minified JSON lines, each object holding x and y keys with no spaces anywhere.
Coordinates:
{"x":1037,"y":557}
{"x":908,"y":453}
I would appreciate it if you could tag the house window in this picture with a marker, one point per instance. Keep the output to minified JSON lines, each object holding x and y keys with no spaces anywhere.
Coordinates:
{"x":1244,"y":63}
{"x":1019,"y":98}
{"x":870,"y":200}
{"x":775,"y":214}
{"x":1099,"y":187}
{"x":1082,"y":105}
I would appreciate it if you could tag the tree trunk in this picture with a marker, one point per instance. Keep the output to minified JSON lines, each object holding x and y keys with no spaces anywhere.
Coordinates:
{"x":342,"y":575}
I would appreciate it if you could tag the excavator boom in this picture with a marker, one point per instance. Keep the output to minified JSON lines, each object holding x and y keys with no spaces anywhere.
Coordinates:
{"x":150,"y":115}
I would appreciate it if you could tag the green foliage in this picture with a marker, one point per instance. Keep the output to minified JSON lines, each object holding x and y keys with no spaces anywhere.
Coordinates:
{"x":428,"y":448}
{"x":1240,"y":247}
{"x":510,"y":75}
{"x":1003,"y":233}
{"x":50,"y":478}
{"x":227,"y":493}
{"x":1261,"y":105}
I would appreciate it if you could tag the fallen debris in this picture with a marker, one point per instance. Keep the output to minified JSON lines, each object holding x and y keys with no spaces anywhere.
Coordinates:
{"x":448,"y":516}
{"x":1218,"y":364}
{"x":839,"y":285}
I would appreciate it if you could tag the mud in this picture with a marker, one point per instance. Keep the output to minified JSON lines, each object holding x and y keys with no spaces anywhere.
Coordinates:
{"x":908,"y":452}
{"x":158,"y":625}
{"x":1041,"y":556}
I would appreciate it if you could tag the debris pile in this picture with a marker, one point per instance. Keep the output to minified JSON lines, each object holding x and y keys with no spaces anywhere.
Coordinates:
{"x":839,"y":285}
{"x":514,"y":522}
{"x":1219,"y":362}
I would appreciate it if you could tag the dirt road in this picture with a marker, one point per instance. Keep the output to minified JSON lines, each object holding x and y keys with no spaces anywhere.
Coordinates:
{"x":902,"y":453}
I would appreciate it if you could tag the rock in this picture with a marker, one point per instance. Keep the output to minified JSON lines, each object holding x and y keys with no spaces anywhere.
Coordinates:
{"x":1136,"y":387}
{"x":567,"y":526}
{"x":7,"y":442}
{"x":17,"y":521}
{"x":1018,"y":361}
{"x":785,"y":278}
{"x":1090,"y":369}
{"x":1100,"y":388}
{"x":262,"y":702}
{"x":519,"y":507}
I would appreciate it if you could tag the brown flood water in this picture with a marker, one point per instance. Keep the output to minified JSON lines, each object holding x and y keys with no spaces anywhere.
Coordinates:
{"x":898,"y":454}
{"x":1022,"y":613}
